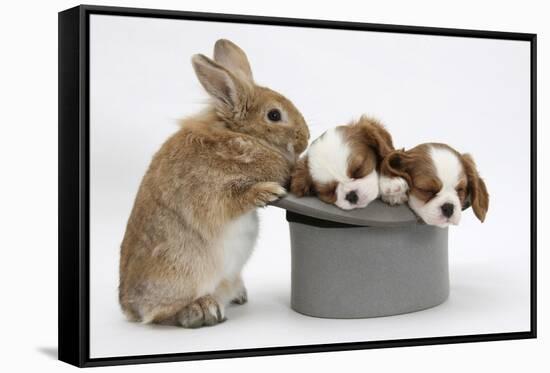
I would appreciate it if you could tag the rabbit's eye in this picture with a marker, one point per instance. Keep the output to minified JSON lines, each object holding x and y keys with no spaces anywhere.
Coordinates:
{"x":274,"y":115}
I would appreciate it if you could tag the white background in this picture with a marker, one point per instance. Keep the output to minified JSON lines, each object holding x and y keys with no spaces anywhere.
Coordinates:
{"x":28,"y":149}
{"x":425,"y":88}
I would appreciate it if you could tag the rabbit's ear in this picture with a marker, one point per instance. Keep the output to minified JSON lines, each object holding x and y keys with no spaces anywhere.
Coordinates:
{"x":233,"y":58}
{"x":228,"y":91}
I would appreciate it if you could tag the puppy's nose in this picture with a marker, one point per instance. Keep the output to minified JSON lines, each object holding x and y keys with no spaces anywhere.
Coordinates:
{"x":352,"y":197}
{"x":447,"y":209}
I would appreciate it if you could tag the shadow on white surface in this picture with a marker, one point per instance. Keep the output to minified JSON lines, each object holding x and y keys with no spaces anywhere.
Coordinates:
{"x":50,"y":352}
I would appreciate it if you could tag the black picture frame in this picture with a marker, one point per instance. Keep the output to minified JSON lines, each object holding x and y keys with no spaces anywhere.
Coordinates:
{"x":74,"y":176}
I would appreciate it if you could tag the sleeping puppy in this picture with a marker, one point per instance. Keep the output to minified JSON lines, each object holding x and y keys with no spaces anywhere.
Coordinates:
{"x":438,"y":182}
{"x":341,"y":166}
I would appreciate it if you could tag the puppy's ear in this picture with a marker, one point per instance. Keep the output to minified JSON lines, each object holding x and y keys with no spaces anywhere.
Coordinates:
{"x":477,"y":191}
{"x":228,"y":91}
{"x":395,"y":165}
{"x":376,"y":136}
{"x":301,"y":183}
{"x":233,"y":58}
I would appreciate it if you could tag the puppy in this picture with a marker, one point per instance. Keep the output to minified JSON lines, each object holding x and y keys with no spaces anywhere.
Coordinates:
{"x":341,"y":166}
{"x":438,"y":181}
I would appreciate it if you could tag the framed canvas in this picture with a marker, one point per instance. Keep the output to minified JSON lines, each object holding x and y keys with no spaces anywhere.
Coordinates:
{"x":178,"y":129}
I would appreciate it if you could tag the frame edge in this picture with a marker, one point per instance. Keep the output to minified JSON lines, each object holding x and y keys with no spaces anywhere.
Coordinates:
{"x":533,"y":170}
{"x":305,"y":22}
{"x":70,"y":265}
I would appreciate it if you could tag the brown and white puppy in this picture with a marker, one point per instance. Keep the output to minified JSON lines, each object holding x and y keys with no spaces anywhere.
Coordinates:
{"x":194,"y":222}
{"x":438,"y":181}
{"x":341,"y":166}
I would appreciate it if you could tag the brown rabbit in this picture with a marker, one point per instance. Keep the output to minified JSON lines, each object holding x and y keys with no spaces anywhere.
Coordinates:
{"x":194,"y":222}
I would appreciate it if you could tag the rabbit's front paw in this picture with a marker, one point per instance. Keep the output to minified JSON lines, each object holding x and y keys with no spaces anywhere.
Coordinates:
{"x":393,"y":190}
{"x":241,"y":297}
{"x":266,"y":192}
{"x":205,"y":311}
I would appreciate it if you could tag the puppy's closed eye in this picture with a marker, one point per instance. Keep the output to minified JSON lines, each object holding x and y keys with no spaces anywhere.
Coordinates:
{"x":426,"y":194}
{"x":357,"y":173}
{"x":327,"y":192}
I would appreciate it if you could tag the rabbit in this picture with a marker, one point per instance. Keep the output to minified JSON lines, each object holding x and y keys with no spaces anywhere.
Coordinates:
{"x":194,"y":221}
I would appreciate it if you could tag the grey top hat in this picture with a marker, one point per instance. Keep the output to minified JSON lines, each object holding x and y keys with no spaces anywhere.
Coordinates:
{"x":376,"y":214}
{"x":376,"y":261}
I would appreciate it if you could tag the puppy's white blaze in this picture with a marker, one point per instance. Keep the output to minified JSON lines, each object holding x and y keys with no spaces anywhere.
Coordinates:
{"x":447,"y":167}
{"x":328,"y":158}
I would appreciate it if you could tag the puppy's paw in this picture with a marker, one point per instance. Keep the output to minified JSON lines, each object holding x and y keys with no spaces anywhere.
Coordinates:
{"x":205,"y":311}
{"x":394,"y":190}
{"x":266,"y":192}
